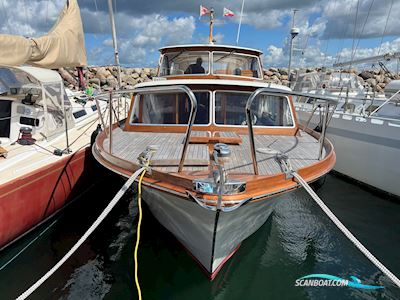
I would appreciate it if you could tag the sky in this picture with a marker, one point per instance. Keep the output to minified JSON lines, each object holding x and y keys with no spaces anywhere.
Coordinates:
{"x":330,"y":30}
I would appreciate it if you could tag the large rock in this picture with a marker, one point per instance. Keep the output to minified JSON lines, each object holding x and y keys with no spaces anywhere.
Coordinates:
{"x":112,"y":81}
{"x":366,"y":75}
{"x":269,"y":73}
{"x":153,"y":72}
{"x":128,"y":71}
{"x":283,"y":71}
{"x":147,"y":71}
{"x":67,"y":77}
{"x":102,"y":71}
{"x":371,"y":81}
{"x":130,"y":80}
{"x":135,"y":75}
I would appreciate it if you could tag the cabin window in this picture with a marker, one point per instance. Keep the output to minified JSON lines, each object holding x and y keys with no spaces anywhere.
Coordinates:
{"x":78,"y":114}
{"x":181,"y":63}
{"x":5,"y":118}
{"x":29,"y":121}
{"x":170,"y":109}
{"x":267,"y":110}
{"x":232,"y":63}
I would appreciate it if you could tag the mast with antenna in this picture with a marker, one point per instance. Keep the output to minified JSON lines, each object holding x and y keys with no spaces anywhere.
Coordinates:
{"x":293,"y":33}
{"x":210,"y":38}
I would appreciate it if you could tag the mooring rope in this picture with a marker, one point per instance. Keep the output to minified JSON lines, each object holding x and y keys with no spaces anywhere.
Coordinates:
{"x":96,"y":223}
{"x":345,"y":231}
{"x":138,"y":234}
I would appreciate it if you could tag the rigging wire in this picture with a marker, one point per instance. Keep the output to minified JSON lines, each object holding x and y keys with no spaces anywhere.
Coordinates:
{"x":354,"y":30}
{"x":384,"y":30}
{"x":47,"y":12}
{"x":97,"y":17}
{"x":341,"y":45}
{"x":327,"y":42}
{"x":362,"y":30}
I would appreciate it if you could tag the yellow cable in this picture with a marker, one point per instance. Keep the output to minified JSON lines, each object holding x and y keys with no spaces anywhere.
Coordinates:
{"x":138,"y":233}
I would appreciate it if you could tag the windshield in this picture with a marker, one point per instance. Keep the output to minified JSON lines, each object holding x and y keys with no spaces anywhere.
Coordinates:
{"x":170,"y":108}
{"x":339,"y":80}
{"x":231,"y":63}
{"x":180,"y":63}
{"x":266,"y":110}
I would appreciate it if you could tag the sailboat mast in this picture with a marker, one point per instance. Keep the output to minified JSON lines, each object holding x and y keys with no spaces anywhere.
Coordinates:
{"x":115,"y":44}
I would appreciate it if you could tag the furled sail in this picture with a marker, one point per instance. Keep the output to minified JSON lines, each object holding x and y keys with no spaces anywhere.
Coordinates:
{"x":63,"y":46}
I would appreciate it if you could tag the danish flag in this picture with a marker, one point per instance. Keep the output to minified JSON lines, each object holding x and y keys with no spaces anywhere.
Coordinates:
{"x":203,"y":10}
{"x":228,"y":13}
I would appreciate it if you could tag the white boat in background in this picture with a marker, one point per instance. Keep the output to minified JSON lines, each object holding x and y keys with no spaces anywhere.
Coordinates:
{"x":364,"y":129}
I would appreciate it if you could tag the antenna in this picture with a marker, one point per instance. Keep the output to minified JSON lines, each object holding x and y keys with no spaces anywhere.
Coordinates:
{"x":210,"y":12}
{"x":293,"y":33}
{"x":210,"y":38}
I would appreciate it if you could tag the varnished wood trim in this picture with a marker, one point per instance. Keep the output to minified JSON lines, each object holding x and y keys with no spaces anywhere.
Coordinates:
{"x":256,"y":186}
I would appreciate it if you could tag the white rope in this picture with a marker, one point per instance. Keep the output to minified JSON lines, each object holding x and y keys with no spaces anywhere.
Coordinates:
{"x":345,"y":231}
{"x":96,"y":223}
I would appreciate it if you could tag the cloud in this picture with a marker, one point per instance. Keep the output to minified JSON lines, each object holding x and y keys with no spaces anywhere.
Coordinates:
{"x":28,"y":18}
{"x":315,"y":57}
{"x":146,"y":35}
{"x":144,"y":26}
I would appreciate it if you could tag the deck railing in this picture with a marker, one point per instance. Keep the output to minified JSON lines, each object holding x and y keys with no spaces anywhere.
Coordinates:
{"x":282,"y":93}
{"x":116,"y":95}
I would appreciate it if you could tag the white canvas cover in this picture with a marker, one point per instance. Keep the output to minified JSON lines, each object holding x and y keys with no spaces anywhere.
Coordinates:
{"x":63,"y":46}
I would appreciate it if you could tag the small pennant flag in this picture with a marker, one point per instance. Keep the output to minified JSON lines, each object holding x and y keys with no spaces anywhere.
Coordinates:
{"x":228,"y":13}
{"x":203,"y":10}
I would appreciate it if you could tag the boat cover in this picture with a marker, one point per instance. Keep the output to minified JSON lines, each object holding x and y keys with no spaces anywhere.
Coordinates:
{"x":63,"y":46}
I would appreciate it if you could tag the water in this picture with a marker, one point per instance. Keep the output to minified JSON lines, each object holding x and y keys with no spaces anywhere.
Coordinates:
{"x":296,"y":241}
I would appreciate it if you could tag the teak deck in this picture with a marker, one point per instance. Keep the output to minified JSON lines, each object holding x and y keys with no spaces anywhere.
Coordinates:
{"x":302,"y":150}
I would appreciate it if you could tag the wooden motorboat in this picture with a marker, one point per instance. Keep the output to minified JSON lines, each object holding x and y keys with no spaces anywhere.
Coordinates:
{"x":221,"y":145}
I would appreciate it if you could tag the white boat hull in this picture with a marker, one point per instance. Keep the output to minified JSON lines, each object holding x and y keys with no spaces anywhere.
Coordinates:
{"x":194,"y":226}
{"x":367,"y":149}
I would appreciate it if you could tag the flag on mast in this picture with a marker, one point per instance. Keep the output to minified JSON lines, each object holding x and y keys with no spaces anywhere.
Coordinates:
{"x":228,"y":12}
{"x":204,"y":10}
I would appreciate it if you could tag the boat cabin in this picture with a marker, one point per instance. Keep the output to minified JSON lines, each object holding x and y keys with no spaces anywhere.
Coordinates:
{"x":221,"y":106}
{"x":335,"y":82}
{"x":210,"y":61}
{"x":35,"y":99}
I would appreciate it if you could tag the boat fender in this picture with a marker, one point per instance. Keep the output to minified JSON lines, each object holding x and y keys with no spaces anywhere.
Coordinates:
{"x":94,"y":134}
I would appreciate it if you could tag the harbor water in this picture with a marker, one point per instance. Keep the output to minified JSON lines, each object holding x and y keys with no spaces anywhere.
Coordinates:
{"x":297,"y":240}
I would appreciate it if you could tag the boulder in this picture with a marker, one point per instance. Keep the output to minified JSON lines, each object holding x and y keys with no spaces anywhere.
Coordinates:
{"x":102,"y":71}
{"x":371,"y":81}
{"x":112,"y":81}
{"x":283,"y":71}
{"x":135,"y":75}
{"x":269,"y":73}
{"x":381,"y":84}
{"x":65,"y":75}
{"x":285,"y":82}
{"x":153,"y":72}
{"x":366,"y":75}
